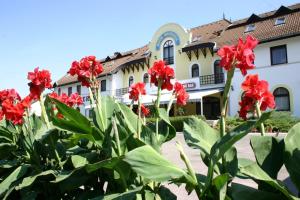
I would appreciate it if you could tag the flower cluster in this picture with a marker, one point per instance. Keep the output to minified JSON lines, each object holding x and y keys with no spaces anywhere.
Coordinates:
{"x":180,"y":93}
{"x":12,"y":106}
{"x":74,"y":100}
{"x":255,"y":91}
{"x":240,"y":55}
{"x":161,"y":73}
{"x":136,"y":90}
{"x":87,"y":69}
{"x":40,"y":79}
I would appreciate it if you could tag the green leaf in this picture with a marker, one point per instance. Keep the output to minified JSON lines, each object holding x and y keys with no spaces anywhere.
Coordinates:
{"x":28,"y":181}
{"x":163,"y":115}
{"x":166,"y":194}
{"x":109,"y":164}
{"x":238,"y":192}
{"x":129,"y":117}
{"x":255,"y":172}
{"x":220,"y":183}
{"x":12,"y":178}
{"x":228,"y":140}
{"x":268,"y":152}
{"x":129,"y":195}
{"x":198,"y":134}
{"x":292,"y":154}
{"x":151,"y":165}
{"x":79,"y":161}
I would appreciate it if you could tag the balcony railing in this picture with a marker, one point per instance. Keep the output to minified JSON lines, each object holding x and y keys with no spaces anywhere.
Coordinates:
{"x":212,"y":79}
{"x":121,"y":91}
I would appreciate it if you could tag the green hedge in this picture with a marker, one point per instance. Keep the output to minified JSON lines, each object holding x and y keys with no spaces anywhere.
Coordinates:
{"x":279,"y":122}
{"x":177,"y":121}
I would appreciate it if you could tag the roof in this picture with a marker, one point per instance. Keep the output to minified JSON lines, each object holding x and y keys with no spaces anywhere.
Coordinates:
{"x":221,"y":32}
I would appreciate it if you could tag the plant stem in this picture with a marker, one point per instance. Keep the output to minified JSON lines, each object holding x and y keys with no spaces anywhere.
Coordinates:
{"x":139,"y":119}
{"x":262,"y":126}
{"x":157,"y":105}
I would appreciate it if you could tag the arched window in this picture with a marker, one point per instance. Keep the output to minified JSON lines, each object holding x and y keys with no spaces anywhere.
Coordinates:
{"x":146,"y":78}
{"x":130,"y":81}
{"x":282,"y":99}
{"x":218,"y":72}
{"x":168,"y":53}
{"x":195,"y":70}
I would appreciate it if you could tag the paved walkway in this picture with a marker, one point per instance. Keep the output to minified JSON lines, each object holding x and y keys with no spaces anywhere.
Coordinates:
{"x":244,"y":151}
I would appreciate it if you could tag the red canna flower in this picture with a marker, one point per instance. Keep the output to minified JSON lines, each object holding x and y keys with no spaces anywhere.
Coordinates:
{"x":10,"y":94}
{"x":1,"y":115}
{"x":71,"y":101}
{"x":13,"y":112}
{"x":145,"y":110}
{"x":136,"y":90}
{"x":26,"y":102}
{"x":87,"y":69}
{"x":255,"y":90}
{"x":241,"y":55}
{"x":39,"y":81}
{"x":180,"y":93}
{"x":160,"y":72}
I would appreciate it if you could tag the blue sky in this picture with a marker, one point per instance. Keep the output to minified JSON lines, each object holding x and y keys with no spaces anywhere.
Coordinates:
{"x":51,"y":34}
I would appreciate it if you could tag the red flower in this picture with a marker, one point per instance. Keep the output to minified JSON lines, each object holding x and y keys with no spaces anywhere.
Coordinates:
{"x":241,"y":55}
{"x":180,"y":93}
{"x":1,"y":115}
{"x":136,"y":90}
{"x":13,"y":112}
{"x":10,"y":94}
{"x":26,"y":102}
{"x":145,"y":110}
{"x":160,"y":72}
{"x":86,"y":69}
{"x":71,"y":101}
{"x":39,"y":81}
{"x":255,"y":90}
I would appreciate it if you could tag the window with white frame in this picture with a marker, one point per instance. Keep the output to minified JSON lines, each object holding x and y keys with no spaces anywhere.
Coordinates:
{"x":146,"y":78}
{"x":278,"y":55}
{"x":250,"y":28}
{"x":130,"y":81}
{"x":103,"y":85}
{"x":279,"y":21}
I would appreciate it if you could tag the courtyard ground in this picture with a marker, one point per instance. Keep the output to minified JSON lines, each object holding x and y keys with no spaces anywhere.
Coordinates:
{"x":244,"y":151}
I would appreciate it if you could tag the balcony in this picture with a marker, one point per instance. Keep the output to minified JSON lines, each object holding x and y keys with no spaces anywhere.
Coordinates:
{"x":212,"y":79}
{"x":121,"y":91}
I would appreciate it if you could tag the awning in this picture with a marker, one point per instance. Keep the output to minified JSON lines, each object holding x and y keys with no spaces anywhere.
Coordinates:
{"x":196,"y":96}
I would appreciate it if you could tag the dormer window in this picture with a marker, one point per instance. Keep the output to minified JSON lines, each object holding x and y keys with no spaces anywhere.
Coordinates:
{"x":250,"y":28}
{"x":279,"y":21}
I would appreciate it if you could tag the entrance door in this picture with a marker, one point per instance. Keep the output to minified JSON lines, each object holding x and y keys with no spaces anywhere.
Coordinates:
{"x":211,"y":107}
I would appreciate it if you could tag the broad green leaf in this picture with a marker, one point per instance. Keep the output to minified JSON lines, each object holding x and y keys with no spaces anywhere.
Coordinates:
{"x":171,"y":130}
{"x":129,"y":117}
{"x":79,"y":161}
{"x":268,"y":152}
{"x":109,"y":164}
{"x":292,"y":154}
{"x":198,"y":134}
{"x":12,"y":178}
{"x":242,"y":192}
{"x":129,"y":195}
{"x":255,"y":172}
{"x":166,"y":194}
{"x":148,"y":163}
{"x":228,"y":140}
{"x":220,"y":183}
{"x":28,"y":181}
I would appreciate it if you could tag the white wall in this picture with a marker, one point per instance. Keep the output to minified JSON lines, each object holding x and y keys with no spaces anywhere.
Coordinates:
{"x":285,"y":75}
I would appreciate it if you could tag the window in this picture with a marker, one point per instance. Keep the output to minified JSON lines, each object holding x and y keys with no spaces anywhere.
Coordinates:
{"x":146,"y":78}
{"x":130,"y":81}
{"x":278,"y":55}
{"x":282,"y":99}
{"x":78,"y":89}
{"x":279,"y":21}
{"x":218,"y":72}
{"x":195,"y":71}
{"x":69,"y":91}
{"x":59,"y":91}
{"x":250,"y":28}
{"x":103,"y":85}
{"x":168,"y":53}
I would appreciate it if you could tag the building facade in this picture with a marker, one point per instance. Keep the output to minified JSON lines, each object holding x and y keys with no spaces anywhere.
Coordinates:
{"x":192,"y":55}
